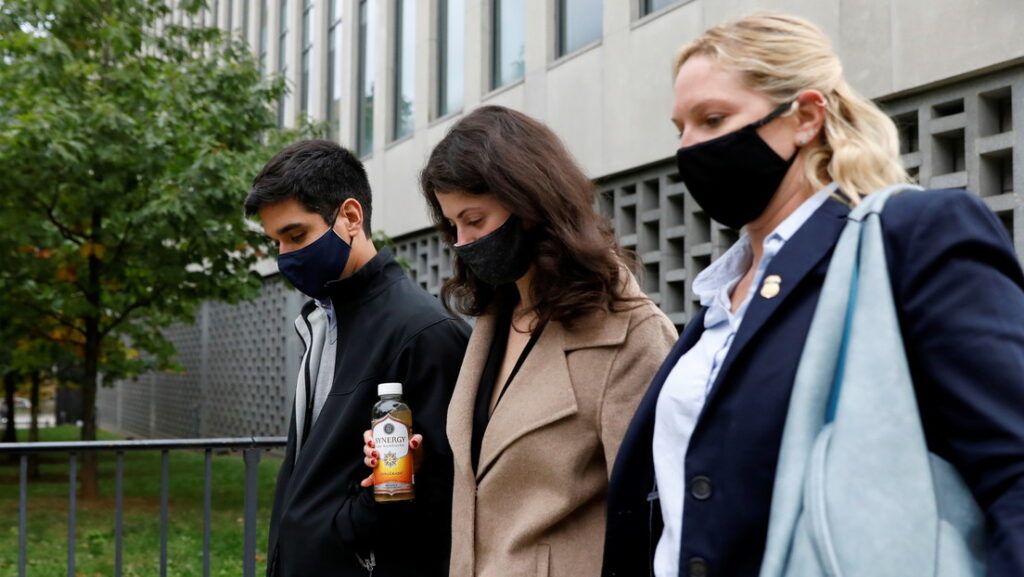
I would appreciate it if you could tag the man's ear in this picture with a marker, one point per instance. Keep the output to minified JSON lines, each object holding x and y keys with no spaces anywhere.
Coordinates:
{"x":350,"y":217}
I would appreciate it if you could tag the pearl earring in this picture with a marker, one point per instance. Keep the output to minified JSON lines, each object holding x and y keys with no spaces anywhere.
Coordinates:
{"x":802,"y":141}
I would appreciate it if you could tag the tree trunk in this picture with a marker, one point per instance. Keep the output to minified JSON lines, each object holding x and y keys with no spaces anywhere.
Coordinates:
{"x":93,"y":345}
{"x":33,"y":398}
{"x":10,"y":435}
{"x":89,"y":474}
{"x":33,"y":431}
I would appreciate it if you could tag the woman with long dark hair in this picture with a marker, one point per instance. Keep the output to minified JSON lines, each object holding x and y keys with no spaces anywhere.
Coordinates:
{"x":562,"y":350}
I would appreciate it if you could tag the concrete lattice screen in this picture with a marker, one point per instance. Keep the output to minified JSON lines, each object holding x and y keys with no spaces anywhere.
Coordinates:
{"x":239,"y":366}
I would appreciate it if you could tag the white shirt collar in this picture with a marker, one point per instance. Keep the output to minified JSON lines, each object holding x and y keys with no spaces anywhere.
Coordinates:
{"x":726,"y":271}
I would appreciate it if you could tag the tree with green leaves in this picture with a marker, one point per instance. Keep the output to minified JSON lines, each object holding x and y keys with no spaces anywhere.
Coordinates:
{"x":29,"y":356}
{"x":126,"y":145}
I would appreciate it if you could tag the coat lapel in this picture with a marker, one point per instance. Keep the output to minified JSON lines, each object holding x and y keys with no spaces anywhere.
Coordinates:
{"x":460,"y":408}
{"x":540,"y":394}
{"x":801,"y":253}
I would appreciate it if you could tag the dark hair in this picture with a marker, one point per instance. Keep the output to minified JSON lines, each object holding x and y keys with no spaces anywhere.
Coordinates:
{"x":319,"y":174}
{"x":578,"y":267}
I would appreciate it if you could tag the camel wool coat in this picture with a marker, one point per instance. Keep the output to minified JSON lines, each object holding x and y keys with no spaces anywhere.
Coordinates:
{"x":536,"y":506}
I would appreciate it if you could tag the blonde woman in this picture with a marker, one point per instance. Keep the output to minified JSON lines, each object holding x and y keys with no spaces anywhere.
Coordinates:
{"x":773,"y":140}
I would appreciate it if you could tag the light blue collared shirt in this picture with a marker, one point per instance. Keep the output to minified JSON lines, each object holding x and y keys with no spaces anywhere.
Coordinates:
{"x":687,"y":385}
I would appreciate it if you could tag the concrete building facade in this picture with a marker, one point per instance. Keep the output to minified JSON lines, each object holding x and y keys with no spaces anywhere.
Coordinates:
{"x":391,"y":77}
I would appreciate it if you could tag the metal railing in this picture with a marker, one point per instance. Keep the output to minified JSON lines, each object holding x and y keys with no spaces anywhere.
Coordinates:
{"x":250,"y":447}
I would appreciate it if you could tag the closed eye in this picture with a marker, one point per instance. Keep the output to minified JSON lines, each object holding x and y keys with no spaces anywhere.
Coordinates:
{"x":714,"y":120}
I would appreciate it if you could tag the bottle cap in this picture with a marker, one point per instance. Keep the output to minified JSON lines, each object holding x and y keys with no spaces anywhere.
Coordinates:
{"x":389,"y":389}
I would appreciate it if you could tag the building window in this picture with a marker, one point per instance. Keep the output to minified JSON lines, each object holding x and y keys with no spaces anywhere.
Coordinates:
{"x":405,"y":67}
{"x":307,"y":52}
{"x":264,"y":33}
{"x":245,"y":21}
{"x":282,"y":55}
{"x":364,"y":118}
{"x":451,"y":31}
{"x":648,"y":6}
{"x":508,"y":26}
{"x":333,"y":68}
{"x":579,"y":24}
{"x":231,"y":17}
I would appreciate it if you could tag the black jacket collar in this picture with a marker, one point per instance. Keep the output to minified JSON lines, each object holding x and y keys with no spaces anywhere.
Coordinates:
{"x":362,"y":285}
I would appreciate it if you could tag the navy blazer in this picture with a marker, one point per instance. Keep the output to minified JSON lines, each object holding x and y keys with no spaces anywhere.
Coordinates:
{"x":959,"y":293}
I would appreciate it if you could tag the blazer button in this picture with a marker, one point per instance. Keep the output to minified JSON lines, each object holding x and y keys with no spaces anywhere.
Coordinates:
{"x":700,"y":488}
{"x":697,"y":567}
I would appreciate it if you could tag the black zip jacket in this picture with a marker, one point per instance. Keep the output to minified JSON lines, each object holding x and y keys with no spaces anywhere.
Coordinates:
{"x":323,"y":523}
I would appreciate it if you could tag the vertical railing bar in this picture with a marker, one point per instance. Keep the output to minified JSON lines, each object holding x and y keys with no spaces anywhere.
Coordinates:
{"x":22,"y":514}
{"x":72,"y":506}
{"x":252,"y":461}
{"x":164,"y":492}
{"x":207,"y":505}
{"x":118,"y":514}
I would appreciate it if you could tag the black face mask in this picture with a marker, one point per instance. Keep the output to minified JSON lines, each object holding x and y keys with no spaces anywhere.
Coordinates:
{"x":734,"y":177}
{"x":311,"y":267}
{"x":501,"y":257}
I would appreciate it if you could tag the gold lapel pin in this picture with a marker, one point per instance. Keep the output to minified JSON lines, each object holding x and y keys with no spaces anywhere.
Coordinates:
{"x":771,"y":286}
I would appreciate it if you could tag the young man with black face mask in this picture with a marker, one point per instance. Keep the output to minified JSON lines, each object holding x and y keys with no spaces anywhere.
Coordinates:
{"x":366,"y":323}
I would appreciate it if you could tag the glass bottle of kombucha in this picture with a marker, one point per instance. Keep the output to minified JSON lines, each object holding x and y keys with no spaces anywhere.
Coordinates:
{"x":391,"y":424}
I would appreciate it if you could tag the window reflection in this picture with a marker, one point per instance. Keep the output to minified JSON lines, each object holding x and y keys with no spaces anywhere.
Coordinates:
{"x":509,"y":47}
{"x":579,"y":24}
{"x":655,"y":5}
{"x":367,"y":33}
{"x":451,"y":55}
{"x":405,"y":62}
{"x":333,"y":68}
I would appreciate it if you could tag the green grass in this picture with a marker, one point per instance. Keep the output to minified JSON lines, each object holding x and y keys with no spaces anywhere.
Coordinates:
{"x":94,"y":551}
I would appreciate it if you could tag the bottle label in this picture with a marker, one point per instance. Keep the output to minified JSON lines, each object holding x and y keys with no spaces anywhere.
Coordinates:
{"x":393,"y":473}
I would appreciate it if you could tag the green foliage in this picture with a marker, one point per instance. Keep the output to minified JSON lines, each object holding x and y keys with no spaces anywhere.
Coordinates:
{"x":126,"y":149}
{"x":382,"y":240}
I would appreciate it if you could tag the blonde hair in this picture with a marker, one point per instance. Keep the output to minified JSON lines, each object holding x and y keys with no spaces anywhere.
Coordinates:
{"x":780,"y":56}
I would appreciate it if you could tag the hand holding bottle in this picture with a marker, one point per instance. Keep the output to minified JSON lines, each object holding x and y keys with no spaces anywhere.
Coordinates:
{"x":390,"y":447}
{"x":370,"y":455}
